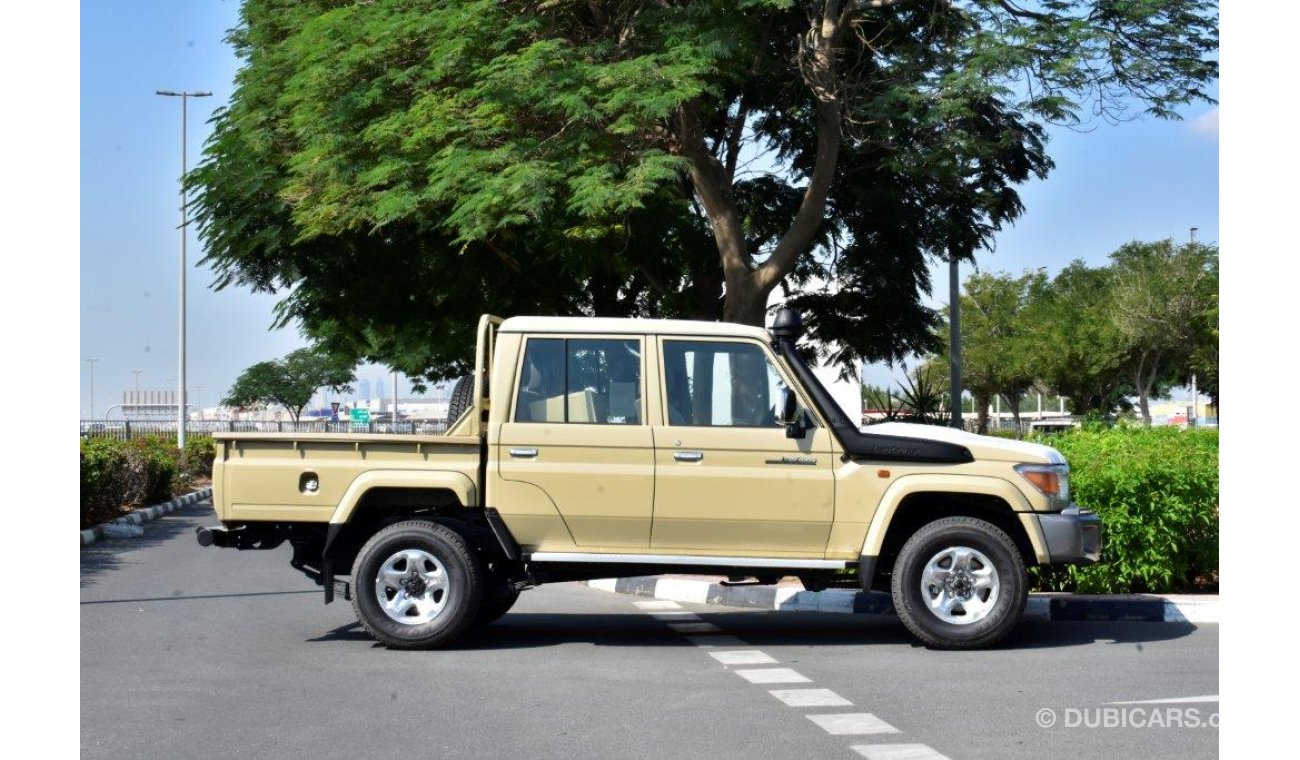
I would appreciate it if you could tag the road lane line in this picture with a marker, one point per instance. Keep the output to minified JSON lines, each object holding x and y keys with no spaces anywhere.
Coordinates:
{"x":743,"y":657}
{"x":897,"y":752}
{"x":658,"y":605}
{"x":810,"y":698}
{"x":681,"y":616}
{"x":852,"y":724}
{"x":1173,"y":701}
{"x":772,"y":675}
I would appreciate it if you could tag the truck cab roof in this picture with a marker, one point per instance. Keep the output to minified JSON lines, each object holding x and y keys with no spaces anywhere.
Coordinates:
{"x":609,"y":325}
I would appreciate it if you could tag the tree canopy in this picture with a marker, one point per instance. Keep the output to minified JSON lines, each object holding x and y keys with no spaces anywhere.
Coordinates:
{"x":290,"y":382}
{"x":1097,"y":335}
{"x":396,"y":167}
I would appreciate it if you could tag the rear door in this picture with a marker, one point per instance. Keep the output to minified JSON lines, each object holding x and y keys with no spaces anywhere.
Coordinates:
{"x":727,"y":477}
{"x":578,"y":432}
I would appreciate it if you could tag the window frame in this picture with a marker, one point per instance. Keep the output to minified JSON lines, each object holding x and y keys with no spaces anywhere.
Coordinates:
{"x":812,"y":416}
{"x":564,"y":339}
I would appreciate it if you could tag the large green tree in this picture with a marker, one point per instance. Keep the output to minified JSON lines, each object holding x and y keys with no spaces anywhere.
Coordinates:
{"x":1166,"y":309}
{"x":395,"y":167}
{"x":290,"y":382}
{"x":999,"y":336}
{"x":1080,"y":351}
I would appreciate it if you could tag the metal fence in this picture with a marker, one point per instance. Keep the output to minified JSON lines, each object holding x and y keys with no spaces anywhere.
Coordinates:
{"x":128,"y":429}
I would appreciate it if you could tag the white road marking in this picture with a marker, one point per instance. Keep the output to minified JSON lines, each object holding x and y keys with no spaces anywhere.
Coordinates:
{"x":605,"y":584}
{"x":772,"y":675}
{"x":695,"y":627}
{"x":1174,"y":701}
{"x":810,"y":698}
{"x":658,"y":605}
{"x":743,"y":657}
{"x":679,"y":616}
{"x":715,"y":641}
{"x":846,"y":724}
{"x":897,"y":752}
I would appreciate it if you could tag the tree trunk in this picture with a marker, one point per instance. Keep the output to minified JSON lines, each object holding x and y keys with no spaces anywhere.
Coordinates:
{"x":748,"y":284}
{"x":982,"y":399}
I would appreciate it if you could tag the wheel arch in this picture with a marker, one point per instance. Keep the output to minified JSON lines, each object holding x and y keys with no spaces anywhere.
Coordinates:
{"x":915,"y":501}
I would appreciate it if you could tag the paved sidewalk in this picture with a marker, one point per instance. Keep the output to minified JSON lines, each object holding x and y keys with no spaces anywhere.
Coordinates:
{"x":128,"y":526}
{"x":790,"y":596}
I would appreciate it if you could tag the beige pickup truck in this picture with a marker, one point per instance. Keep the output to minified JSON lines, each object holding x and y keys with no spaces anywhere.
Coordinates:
{"x":592,"y":448}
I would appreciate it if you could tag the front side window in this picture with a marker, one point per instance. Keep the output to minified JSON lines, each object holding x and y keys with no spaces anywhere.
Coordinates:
{"x":720,"y":384}
{"x":580,"y":380}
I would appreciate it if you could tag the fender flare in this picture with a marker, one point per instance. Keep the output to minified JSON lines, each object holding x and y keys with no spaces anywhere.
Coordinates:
{"x":983,"y":485}
{"x":457,"y":482}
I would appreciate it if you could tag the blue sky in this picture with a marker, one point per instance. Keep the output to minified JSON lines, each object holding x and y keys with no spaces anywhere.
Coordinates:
{"x":1139,"y":180}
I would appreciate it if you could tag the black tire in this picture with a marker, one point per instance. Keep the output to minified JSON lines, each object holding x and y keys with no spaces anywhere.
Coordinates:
{"x":462,"y":398}
{"x":496,"y":603}
{"x":459,"y":600}
{"x":1011,"y":585}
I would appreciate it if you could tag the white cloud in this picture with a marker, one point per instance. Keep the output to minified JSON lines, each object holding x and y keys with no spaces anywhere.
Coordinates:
{"x":1207,"y":124}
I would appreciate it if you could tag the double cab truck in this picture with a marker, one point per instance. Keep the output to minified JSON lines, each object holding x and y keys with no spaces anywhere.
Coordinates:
{"x":586,"y":448}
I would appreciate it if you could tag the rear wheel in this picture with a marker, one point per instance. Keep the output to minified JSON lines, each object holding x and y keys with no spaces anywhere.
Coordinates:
{"x":417,"y":585}
{"x":959,"y":583}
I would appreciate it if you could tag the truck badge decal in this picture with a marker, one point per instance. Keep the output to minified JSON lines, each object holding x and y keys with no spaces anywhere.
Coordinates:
{"x":793,"y":460}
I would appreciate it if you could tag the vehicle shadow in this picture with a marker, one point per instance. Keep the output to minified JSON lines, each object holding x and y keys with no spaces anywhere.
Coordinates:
{"x":108,"y":554}
{"x":525,"y":630}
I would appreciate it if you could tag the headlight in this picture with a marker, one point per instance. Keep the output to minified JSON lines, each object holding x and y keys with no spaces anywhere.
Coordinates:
{"x":1051,"y":480}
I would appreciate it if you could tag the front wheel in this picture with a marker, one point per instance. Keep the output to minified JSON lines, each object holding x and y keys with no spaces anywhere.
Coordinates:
{"x":418,"y":585}
{"x":959,"y":583}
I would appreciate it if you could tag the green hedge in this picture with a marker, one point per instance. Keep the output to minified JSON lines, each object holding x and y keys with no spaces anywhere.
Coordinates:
{"x":199,"y":453}
{"x":1157,"y":491}
{"x":117,"y":475}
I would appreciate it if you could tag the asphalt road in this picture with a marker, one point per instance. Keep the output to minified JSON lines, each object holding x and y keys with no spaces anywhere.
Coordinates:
{"x":195,"y":652}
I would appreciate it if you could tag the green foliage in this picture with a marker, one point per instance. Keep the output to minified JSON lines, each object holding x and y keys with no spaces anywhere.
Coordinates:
{"x":118,"y":474}
{"x":1166,"y":309}
{"x":200,"y":451}
{"x":395,"y":168}
{"x":1157,"y":492}
{"x":919,"y":398}
{"x":291,"y":381}
{"x":1079,"y":349}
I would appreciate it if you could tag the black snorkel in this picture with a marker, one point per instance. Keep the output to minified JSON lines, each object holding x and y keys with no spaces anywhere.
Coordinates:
{"x":786,"y":330}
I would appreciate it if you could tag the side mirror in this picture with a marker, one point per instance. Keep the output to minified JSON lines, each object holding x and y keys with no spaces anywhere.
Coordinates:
{"x":790,"y":416}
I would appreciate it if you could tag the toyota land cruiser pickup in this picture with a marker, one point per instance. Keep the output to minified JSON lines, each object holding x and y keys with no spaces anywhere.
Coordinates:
{"x":586,"y":448}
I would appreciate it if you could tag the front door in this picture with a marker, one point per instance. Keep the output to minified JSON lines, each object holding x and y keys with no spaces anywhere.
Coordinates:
{"x":578,"y":432}
{"x":727,"y":478}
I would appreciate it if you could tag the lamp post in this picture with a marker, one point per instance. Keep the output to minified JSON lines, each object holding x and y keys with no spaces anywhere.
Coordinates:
{"x":954,"y":339}
{"x":137,"y":372}
{"x":92,"y":385}
{"x":180,"y":380}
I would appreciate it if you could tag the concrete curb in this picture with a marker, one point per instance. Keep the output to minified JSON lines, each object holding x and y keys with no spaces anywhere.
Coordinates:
{"x":1147,"y":608}
{"x":123,"y":526}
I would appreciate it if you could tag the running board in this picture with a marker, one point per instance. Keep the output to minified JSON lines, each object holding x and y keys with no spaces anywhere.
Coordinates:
{"x":677,"y":559}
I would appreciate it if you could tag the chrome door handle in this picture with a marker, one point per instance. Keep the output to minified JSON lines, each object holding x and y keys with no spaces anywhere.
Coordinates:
{"x":523,"y":453}
{"x":688,"y":456}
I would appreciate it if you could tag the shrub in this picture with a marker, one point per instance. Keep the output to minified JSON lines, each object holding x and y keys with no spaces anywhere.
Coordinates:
{"x":199,"y":454}
{"x":104,"y":476}
{"x":1157,"y":491}
{"x":117,"y":474}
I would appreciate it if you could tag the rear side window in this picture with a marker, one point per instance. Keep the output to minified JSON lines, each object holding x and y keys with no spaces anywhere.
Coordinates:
{"x":580,"y":381}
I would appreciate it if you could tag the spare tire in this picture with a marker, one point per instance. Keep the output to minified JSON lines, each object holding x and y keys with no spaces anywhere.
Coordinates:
{"x":462,"y":398}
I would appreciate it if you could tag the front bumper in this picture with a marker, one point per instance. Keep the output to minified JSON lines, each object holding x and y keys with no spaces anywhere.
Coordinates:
{"x":1073,"y":536}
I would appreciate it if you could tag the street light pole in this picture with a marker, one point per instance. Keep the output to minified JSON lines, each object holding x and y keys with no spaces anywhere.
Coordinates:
{"x":180,"y":381}
{"x":954,"y":339}
{"x":92,"y":386}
